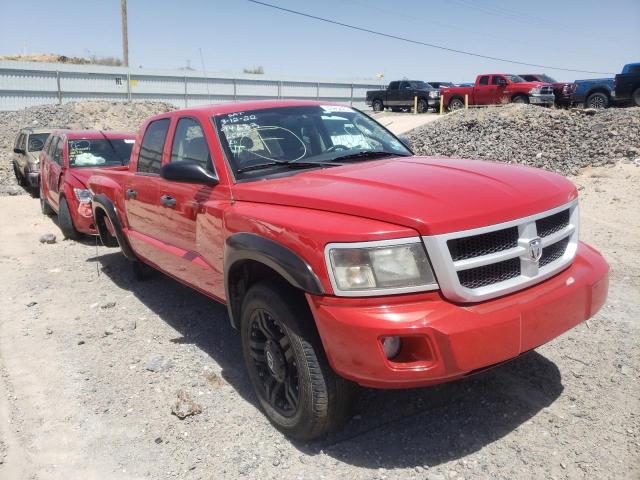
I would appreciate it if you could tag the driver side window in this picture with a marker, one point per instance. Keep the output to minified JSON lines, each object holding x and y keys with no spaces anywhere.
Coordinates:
{"x":189,"y":143}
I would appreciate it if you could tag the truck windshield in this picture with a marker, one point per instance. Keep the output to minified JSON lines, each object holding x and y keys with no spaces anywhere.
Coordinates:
{"x":305,"y":136}
{"x":99,"y":152}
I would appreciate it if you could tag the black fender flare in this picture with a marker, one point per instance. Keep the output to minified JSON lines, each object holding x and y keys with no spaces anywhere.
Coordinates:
{"x":104,"y":203}
{"x":285,"y":262}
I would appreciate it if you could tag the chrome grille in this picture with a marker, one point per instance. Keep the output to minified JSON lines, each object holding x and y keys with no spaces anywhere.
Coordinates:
{"x":487,"y":262}
{"x":546,"y":90}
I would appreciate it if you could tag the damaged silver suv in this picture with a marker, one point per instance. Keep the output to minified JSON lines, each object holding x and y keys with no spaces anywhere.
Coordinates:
{"x":26,"y":152}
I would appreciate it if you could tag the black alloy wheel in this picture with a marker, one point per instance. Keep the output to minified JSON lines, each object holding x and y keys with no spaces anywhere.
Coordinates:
{"x":274,"y":361}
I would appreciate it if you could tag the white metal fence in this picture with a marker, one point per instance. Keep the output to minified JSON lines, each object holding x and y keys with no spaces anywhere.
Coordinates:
{"x":25,"y":84}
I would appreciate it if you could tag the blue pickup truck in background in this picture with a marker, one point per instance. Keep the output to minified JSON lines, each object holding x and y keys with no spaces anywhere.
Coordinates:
{"x":592,"y":93}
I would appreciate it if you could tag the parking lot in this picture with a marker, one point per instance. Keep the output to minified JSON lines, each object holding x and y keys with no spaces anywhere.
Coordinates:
{"x":87,"y":385}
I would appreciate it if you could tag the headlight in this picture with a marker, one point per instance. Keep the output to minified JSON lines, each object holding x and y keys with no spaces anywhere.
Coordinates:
{"x":535,"y":90}
{"x":379,"y":268}
{"x":83,"y":195}
{"x":434,"y":94}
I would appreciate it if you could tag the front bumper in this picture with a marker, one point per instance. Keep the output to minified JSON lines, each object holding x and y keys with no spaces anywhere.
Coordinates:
{"x":540,"y":99}
{"x":443,"y":341}
{"x":434,"y":102}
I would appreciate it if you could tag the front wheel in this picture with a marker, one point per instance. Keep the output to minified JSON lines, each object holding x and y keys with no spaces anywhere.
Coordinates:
{"x":636,"y":97}
{"x":597,"y":100}
{"x":66,"y":222}
{"x":423,"y":106}
{"x":377,"y":105}
{"x":295,"y":386}
{"x":520,"y":99}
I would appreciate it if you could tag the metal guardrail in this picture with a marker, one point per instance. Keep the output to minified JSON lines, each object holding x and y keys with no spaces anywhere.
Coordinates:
{"x":26,"y":84}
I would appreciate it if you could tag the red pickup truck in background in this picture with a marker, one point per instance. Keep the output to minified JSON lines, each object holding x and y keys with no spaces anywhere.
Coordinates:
{"x":498,"y":88}
{"x":67,"y":161}
{"x":341,"y":257}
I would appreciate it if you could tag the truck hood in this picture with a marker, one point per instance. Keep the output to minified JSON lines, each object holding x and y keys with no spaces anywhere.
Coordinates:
{"x":82,"y":175}
{"x":431,"y":195}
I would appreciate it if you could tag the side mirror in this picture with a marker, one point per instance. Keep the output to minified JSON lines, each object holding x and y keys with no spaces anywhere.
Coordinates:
{"x":187,"y":172}
{"x":18,"y":150}
{"x":405,"y":140}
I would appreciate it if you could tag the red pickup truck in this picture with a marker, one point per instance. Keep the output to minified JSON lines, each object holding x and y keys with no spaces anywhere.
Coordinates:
{"x":498,"y":88}
{"x":67,"y":161}
{"x":343,"y":258}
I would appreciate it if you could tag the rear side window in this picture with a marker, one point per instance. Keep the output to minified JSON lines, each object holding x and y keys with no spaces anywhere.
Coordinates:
{"x":189,"y":143}
{"x":150,"y":156}
{"x":57,"y":156}
{"x":394,"y":85}
{"x":484,"y":80}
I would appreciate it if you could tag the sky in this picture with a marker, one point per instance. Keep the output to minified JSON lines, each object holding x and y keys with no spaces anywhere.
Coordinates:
{"x":235,"y":34}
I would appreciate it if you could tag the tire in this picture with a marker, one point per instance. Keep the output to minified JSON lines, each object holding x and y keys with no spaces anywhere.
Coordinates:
{"x":378,"y":106}
{"x":520,"y":99}
{"x":296,"y":388}
{"x":456,"y":104}
{"x":597,"y":100}
{"x":66,"y":222}
{"x":19,"y":177}
{"x":44,"y":205}
{"x":635,"y":96}
{"x":423,"y":106}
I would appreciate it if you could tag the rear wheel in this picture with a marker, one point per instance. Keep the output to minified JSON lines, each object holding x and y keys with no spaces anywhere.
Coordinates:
{"x":66,"y":222}
{"x":423,"y":106}
{"x":377,"y":105}
{"x":19,"y":177}
{"x":636,"y":97}
{"x":297,"y":389}
{"x":520,"y":99}
{"x":456,"y":104}
{"x":44,"y":205}
{"x":597,"y":100}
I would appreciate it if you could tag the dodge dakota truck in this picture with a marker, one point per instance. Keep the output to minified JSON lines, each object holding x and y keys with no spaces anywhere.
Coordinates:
{"x":343,"y":258}
{"x":627,"y":84}
{"x":498,"y":88}
{"x":402,"y":94}
{"x":67,"y":160}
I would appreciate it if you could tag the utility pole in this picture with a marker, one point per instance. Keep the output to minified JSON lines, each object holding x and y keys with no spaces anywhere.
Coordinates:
{"x":125,"y":35}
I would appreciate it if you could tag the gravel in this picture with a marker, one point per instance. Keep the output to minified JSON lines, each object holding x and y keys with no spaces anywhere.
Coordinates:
{"x":564,"y":141}
{"x":75,"y":115}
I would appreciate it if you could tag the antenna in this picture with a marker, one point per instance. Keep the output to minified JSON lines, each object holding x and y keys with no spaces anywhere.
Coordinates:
{"x":204,"y":71}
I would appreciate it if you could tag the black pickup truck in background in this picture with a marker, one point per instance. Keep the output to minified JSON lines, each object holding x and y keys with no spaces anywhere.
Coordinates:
{"x":400,"y":95}
{"x":627,"y":84}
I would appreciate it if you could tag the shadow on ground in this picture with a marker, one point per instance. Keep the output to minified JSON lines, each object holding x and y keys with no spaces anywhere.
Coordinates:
{"x":390,"y":429}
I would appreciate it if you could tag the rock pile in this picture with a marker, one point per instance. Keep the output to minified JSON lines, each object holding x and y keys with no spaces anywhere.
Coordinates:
{"x":563,"y":141}
{"x":77,"y":115}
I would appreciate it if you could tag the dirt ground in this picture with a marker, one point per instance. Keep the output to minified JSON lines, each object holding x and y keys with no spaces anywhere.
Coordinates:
{"x":91,"y":362}
{"x":401,"y":123}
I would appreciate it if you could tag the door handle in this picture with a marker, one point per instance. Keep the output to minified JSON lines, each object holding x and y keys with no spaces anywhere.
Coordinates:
{"x":168,"y":201}
{"x":131,"y":193}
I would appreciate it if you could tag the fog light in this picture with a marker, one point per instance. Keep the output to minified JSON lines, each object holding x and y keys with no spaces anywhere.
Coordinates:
{"x":391,"y":346}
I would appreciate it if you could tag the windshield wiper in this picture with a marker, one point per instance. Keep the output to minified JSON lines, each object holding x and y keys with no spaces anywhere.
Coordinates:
{"x":289,"y":164}
{"x":367,"y":154}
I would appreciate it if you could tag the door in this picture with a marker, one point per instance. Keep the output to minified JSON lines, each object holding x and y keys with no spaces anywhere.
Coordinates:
{"x":500,"y":84}
{"x":145,"y":216}
{"x":483,"y":91}
{"x":55,"y":171}
{"x":393,"y":94}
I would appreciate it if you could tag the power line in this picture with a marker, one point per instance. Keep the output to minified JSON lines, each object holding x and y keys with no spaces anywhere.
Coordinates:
{"x":417,"y":42}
